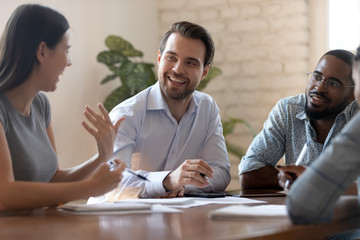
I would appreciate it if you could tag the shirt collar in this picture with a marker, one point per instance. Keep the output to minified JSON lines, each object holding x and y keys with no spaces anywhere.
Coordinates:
{"x":156,"y":100}
{"x":347,"y":112}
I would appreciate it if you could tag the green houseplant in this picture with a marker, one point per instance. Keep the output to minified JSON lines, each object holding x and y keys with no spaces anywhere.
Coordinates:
{"x":125,"y":63}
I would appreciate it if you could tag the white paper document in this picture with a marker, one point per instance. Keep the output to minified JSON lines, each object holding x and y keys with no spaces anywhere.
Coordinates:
{"x":241,"y":211}
{"x":75,"y":207}
{"x":162,"y":201}
{"x":182,"y":202}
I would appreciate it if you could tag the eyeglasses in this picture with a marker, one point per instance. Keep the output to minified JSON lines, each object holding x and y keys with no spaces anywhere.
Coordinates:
{"x":331,"y":85}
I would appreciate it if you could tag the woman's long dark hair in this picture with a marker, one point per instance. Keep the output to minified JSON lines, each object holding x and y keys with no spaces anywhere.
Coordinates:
{"x":27,"y":27}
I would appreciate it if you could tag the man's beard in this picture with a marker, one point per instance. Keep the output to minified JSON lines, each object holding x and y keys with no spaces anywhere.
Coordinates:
{"x":173,"y":93}
{"x":328,"y":113}
{"x":177,"y":95}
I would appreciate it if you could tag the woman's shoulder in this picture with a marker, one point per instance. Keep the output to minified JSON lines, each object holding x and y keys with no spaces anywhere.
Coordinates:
{"x":41,"y":100}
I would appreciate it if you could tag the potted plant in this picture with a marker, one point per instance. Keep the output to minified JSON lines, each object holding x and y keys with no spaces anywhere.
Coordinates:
{"x":125,"y":63}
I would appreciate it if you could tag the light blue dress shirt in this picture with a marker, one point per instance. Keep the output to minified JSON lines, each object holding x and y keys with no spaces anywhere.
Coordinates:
{"x":286,"y":131}
{"x":313,"y":195}
{"x":151,"y":136}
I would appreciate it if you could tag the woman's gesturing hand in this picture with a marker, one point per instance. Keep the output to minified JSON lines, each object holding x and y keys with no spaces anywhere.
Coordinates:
{"x":103,"y":130}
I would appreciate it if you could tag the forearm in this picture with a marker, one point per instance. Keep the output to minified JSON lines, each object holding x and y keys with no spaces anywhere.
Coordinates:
{"x":79,"y":172}
{"x":263,"y":178}
{"x":27,"y":195}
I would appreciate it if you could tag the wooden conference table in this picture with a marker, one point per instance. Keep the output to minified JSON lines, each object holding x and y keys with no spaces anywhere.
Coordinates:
{"x":192,"y":223}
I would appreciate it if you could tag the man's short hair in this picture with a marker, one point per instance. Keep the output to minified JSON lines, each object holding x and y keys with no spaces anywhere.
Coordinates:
{"x":191,"y":31}
{"x":344,"y":55}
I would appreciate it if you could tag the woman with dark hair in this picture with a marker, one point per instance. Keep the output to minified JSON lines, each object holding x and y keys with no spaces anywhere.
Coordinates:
{"x":33,"y":53}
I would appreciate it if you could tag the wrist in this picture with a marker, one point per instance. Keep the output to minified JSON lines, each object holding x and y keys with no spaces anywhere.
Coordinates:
{"x":166,"y":183}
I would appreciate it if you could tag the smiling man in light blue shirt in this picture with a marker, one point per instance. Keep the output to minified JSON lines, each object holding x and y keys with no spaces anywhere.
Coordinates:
{"x":172,"y":133}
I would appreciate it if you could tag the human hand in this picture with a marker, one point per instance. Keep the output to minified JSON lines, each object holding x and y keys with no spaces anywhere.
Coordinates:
{"x":188,"y":173}
{"x":177,"y":193}
{"x":102,"y":130}
{"x":106,"y":177}
{"x":288,"y":174}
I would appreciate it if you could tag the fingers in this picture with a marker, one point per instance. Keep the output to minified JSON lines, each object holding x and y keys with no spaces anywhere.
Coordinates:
{"x":196,"y":172}
{"x":117,"y":124}
{"x":181,"y":192}
{"x":100,"y":122}
{"x":191,"y":172}
{"x":120,"y":165}
{"x":97,"y":122}
{"x":96,"y":119}
{"x":175,"y":193}
{"x":283,"y":177}
{"x":292,"y":170}
{"x":104,"y":112}
{"x":192,"y":177}
{"x":116,"y":165}
{"x":288,"y":174}
{"x":199,"y":168}
{"x":88,"y":128}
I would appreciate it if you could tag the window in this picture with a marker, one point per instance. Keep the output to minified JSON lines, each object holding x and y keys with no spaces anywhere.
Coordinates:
{"x":344,"y":24}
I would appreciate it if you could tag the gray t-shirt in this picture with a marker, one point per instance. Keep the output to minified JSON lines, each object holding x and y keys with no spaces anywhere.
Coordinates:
{"x":33,"y":157}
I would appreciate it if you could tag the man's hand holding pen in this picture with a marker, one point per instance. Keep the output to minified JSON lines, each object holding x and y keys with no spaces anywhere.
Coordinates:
{"x":192,"y":172}
{"x":288,"y":174}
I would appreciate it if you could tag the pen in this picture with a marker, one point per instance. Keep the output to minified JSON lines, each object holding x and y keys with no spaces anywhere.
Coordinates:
{"x":112,"y":165}
{"x":204,"y":176}
{"x":301,"y":156}
{"x":298,"y":161}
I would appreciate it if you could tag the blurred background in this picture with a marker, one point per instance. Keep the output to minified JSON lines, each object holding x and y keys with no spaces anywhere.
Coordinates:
{"x":263,"y":47}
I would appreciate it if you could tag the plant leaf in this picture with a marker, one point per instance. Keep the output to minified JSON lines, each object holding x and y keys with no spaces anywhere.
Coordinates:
{"x":109,"y":78}
{"x":248,"y":125}
{"x":229,"y":125}
{"x":149,"y":69}
{"x":137,"y":76}
{"x":213,"y":72}
{"x":117,"y":43}
{"x":228,"y":128}
{"x":125,"y":71}
{"x":110,"y":58}
{"x":117,"y":96}
{"x":235,"y":150}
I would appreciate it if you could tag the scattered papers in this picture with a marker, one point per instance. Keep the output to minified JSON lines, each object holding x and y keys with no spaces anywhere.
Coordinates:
{"x":97,"y":205}
{"x":75,"y":207}
{"x":115,"y":209}
{"x":240,"y":211}
{"x":229,"y":200}
{"x":183,"y":202}
{"x":162,"y":201}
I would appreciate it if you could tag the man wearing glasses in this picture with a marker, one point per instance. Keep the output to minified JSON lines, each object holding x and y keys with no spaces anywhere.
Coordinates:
{"x":313,"y":118}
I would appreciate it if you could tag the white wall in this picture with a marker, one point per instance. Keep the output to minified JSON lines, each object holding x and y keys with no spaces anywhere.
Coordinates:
{"x":91,"y":21}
